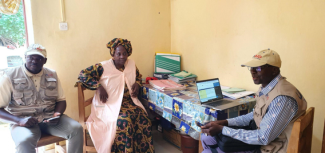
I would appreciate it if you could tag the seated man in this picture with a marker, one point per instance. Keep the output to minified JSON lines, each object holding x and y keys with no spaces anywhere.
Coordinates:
{"x":29,"y":96}
{"x":278,"y":102}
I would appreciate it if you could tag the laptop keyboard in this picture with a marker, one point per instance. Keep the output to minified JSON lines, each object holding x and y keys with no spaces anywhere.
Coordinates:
{"x":218,"y":103}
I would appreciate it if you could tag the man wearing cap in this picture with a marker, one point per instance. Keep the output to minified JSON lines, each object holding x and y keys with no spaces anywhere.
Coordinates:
{"x":29,"y":96}
{"x":278,"y":104}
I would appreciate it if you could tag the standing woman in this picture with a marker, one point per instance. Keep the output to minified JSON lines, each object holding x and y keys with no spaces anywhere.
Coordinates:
{"x":118,"y":121}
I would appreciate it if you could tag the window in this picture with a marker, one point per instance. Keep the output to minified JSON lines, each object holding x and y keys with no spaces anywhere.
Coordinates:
{"x":13,"y":43}
{"x":13,"y":38}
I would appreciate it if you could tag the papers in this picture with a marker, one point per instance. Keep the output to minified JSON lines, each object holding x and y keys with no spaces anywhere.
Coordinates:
{"x":182,"y":77}
{"x":182,"y":74}
{"x":233,"y":90}
{"x":224,"y":87}
{"x":166,"y":85}
{"x":177,"y":80}
{"x":186,"y":77}
{"x":230,"y":104}
{"x":238,"y":94}
{"x":235,"y":95}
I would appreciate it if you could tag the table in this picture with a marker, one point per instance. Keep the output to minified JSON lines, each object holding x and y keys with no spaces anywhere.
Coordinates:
{"x":183,"y":108}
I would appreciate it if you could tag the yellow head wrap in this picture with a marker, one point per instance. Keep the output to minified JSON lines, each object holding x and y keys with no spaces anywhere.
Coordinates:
{"x":119,"y":41}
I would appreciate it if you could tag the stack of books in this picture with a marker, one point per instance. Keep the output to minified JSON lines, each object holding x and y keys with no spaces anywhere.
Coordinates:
{"x":182,"y":77}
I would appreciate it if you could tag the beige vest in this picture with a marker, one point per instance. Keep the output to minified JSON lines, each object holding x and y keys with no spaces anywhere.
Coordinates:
{"x":283,"y":87}
{"x":26,"y":100}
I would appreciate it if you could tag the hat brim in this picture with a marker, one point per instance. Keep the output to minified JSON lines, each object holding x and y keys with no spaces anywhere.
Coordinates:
{"x":254,"y":63}
{"x":35,"y":53}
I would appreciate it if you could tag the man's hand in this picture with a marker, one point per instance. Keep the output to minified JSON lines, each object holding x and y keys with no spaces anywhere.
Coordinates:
{"x":54,"y":121}
{"x":222,"y":122}
{"x":214,"y":127}
{"x":135,"y":90}
{"x":27,"y":122}
{"x":103,"y":96}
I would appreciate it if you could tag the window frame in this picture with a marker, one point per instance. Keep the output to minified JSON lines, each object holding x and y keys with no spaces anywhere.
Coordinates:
{"x":29,"y":37}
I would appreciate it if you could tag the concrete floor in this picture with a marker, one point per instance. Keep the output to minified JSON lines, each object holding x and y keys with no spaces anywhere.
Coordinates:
{"x":6,"y":143}
{"x":161,"y":145}
{"x":8,"y":146}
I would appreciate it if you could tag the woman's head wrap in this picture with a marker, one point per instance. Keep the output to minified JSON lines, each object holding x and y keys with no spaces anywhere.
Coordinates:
{"x":112,"y":45}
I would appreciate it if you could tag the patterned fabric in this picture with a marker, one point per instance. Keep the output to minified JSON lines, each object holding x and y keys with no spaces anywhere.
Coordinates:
{"x":119,"y":41}
{"x":133,"y":131}
{"x":90,"y":76}
{"x":279,"y":114}
{"x":9,"y":7}
{"x":138,"y":80}
{"x":191,"y":110}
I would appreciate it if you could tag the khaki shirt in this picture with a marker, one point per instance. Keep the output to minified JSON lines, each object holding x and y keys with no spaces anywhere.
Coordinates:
{"x":6,"y":88}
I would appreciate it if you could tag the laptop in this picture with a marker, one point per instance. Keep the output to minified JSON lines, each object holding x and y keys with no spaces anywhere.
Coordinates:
{"x":210,"y":93}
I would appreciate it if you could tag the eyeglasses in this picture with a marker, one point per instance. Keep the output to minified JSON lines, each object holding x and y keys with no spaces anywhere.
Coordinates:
{"x":36,"y":59}
{"x":257,"y":69}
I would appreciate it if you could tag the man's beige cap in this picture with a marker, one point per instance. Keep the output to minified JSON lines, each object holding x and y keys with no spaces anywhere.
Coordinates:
{"x":36,"y":49}
{"x":263,"y":57}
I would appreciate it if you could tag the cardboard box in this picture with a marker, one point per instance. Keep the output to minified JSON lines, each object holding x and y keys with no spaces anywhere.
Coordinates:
{"x":173,"y":137}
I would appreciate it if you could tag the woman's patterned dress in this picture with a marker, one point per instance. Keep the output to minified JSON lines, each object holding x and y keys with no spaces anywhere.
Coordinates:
{"x":133,"y":131}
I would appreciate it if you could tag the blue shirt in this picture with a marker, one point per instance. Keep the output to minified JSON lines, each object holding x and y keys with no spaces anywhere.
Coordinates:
{"x":278,"y":115}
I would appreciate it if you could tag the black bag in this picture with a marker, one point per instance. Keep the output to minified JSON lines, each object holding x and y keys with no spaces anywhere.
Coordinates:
{"x":228,"y":144}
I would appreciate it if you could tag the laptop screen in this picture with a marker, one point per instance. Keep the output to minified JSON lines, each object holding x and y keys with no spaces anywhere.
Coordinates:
{"x":209,"y":90}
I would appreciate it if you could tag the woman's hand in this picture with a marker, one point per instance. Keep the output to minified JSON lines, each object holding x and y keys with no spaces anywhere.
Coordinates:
{"x":103,"y":96}
{"x":135,"y":90}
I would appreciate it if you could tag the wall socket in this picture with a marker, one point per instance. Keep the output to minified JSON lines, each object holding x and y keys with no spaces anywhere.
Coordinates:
{"x":63,"y":26}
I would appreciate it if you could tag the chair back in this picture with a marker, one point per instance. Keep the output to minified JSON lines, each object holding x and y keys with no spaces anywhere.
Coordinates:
{"x":302,"y":132}
{"x":323,"y":148}
{"x":82,"y":103}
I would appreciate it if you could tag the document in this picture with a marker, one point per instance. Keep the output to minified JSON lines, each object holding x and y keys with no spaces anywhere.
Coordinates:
{"x":233,"y":90}
{"x":238,"y":94}
{"x":166,"y":85}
